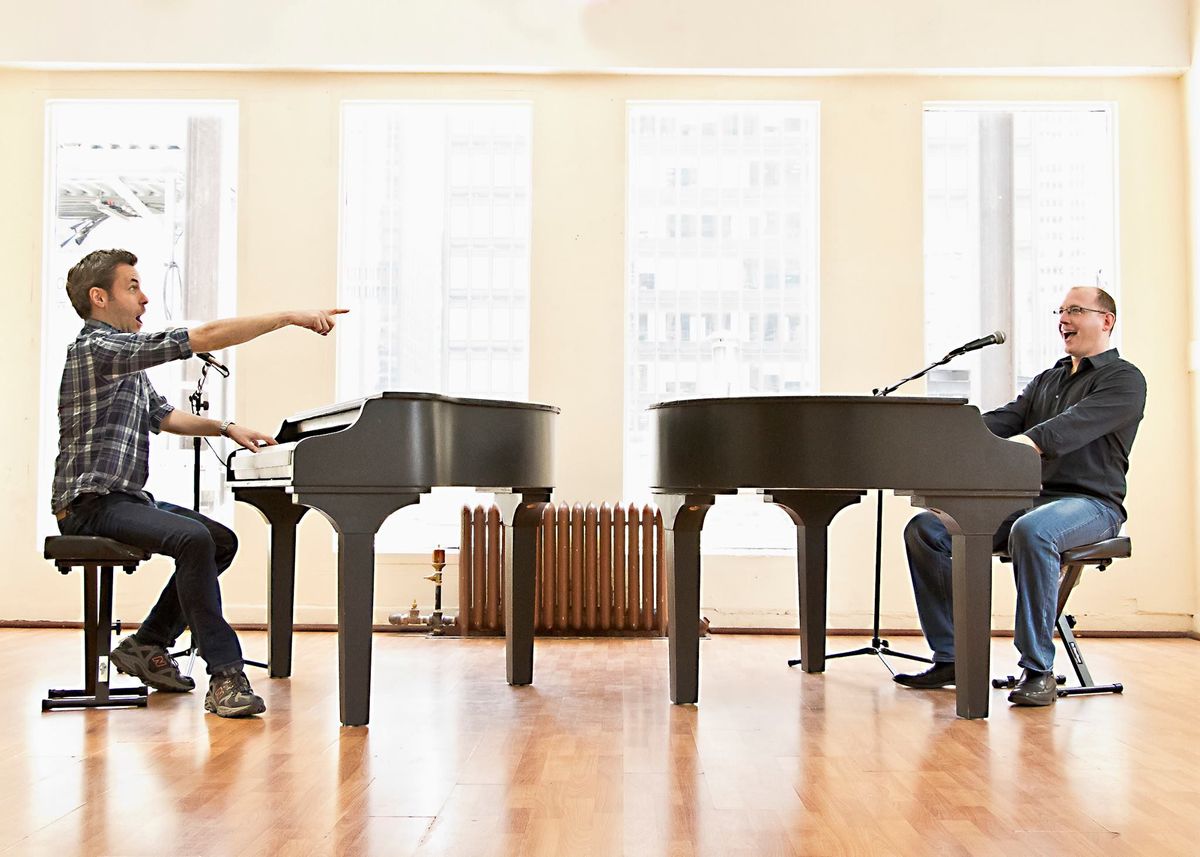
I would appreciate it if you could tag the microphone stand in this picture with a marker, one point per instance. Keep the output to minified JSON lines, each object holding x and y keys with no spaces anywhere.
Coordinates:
{"x":199,"y":402}
{"x":879,"y":647}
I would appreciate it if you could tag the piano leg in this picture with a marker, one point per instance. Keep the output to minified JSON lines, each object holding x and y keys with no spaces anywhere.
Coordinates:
{"x":282,"y":515}
{"x":281,"y":589}
{"x":972,"y":521}
{"x":813,"y":511}
{"x":812,"y":571}
{"x":972,"y":575}
{"x":683,"y":518}
{"x":357,"y":518}
{"x":521,"y":516}
{"x":356,"y":596}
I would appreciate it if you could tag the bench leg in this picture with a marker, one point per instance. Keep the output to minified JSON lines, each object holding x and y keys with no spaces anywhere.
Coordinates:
{"x":1067,"y":582}
{"x":1087,"y":684}
{"x":97,"y":643}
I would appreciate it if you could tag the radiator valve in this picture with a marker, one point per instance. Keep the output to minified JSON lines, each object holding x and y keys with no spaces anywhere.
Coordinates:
{"x":434,"y":623}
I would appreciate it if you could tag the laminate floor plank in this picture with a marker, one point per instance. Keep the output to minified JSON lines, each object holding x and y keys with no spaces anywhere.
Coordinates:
{"x":593,"y":761}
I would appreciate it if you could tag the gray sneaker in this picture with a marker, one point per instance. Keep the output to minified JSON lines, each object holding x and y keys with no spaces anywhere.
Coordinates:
{"x":230,"y":695}
{"x":152,"y":664}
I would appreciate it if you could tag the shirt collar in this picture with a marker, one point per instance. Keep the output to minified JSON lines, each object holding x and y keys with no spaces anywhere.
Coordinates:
{"x":1095,"y":360}
{"x":90,"y":324}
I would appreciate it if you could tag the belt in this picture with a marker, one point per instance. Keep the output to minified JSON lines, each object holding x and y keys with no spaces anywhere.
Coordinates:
{"x":60,"y":515}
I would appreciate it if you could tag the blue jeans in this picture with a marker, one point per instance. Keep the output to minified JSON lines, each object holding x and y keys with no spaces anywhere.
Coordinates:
{"x":202,"y":549}
{"x":1034,"y":539}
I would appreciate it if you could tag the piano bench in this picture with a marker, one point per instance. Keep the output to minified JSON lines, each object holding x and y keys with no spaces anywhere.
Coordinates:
{"x":1073,"y":561}
{"x":97,"y":557}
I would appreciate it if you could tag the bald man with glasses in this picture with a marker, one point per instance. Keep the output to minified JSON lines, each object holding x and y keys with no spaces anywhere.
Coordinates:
{"x":1081,"y":415}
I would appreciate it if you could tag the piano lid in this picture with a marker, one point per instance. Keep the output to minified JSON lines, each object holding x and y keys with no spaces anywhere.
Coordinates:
{"x":343,"y":414}
{"x":356,"y":404}
{"x":395,"y":439}
{"x":833,"y":442}
{"x":932,"y":400}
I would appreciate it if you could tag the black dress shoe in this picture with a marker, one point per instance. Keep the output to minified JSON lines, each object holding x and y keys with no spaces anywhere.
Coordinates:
{"x":938,"y":675}
{"x":1035,"y":688}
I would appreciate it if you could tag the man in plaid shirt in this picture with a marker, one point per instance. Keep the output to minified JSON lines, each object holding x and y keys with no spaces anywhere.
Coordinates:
{"x":106,"y":410}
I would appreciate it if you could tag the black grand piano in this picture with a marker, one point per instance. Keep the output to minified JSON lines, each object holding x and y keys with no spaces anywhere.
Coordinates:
{"x":815,"y":455}
{"x":357,"y":463}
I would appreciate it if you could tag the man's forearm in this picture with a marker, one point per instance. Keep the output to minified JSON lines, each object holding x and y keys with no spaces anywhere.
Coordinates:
{"x":190,"y":425}
{"x":227,"y":332}
{"x":1027,"y":441}
{"x":179,"y":422}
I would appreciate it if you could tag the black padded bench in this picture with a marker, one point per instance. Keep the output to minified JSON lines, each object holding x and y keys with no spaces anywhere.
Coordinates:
{"x":97,"y":557}
{"x":1073,"y":561}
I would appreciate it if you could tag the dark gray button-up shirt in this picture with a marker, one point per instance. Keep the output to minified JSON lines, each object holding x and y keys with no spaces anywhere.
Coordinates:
{"x":1084,"y":423}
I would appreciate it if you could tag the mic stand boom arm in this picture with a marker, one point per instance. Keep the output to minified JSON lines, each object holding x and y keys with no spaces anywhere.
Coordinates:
{"x":885,"y":391}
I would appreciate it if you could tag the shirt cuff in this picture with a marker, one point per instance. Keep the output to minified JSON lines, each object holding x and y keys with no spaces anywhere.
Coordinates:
{"x":179,"y":336}
{"x":1044,"y":440}
{"x":158,"y":415}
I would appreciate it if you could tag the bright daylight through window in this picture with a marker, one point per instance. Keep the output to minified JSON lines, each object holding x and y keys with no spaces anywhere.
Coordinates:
{"x":158,"y":178}
{"x":1020,"y":205}
{"x":722,"y":290}
{"x":435,"y":265}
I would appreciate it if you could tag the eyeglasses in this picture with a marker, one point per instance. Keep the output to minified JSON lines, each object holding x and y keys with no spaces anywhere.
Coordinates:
{"x":1075,"y":311}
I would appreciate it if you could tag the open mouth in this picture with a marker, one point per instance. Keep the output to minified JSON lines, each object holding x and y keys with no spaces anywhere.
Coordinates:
{"x":1068,"y":335}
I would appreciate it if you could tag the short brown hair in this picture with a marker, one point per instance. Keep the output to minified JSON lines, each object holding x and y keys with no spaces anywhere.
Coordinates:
{"x":97,"y":269}
{"x":1106,"y":301}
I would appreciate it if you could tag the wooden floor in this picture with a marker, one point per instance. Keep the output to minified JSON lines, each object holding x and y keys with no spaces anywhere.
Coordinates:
{"x":593,"y":760}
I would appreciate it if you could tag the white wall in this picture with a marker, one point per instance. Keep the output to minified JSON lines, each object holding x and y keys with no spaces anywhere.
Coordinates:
{"x":871,"y":253}
{"x":1191,"y":107}
{"x":871,"y":279}
{"x":599,"y":35}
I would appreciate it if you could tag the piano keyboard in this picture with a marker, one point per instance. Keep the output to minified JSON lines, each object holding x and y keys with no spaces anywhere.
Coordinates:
{"x":270,"y":462}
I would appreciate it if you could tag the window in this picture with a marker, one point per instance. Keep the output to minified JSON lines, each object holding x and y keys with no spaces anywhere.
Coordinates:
{"x":158,"y":178}
{"x":732,"y":248}
{"x":435,"y":265}
{"x":1020,"y":205}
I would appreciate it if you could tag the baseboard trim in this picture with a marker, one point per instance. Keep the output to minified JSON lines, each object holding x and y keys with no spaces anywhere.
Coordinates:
{"x":910,"y":632}
{"x":33,"y":624}
{"x":237,"y":626}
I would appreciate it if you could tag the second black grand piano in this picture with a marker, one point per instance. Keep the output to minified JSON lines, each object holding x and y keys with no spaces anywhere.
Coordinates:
{"x":360,"y":461}
{"x":815,"y":455}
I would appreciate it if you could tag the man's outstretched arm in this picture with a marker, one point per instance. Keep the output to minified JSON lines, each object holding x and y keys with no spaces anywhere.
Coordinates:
{"x":227,"y":332}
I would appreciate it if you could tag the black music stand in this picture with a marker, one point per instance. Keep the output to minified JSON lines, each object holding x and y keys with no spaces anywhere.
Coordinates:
{"x":199,"y":405}
{"x":879,"y":647}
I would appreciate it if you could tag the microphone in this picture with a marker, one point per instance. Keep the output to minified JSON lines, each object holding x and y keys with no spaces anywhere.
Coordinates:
{"x":996,"y":338}
{"x":212,"y":361}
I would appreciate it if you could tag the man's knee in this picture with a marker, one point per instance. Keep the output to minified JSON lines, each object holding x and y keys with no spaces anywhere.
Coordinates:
{"x":226,"y":545}
{"x":194,"y":540}
{"x":1027,"y":533}
{"x":924,"y":532}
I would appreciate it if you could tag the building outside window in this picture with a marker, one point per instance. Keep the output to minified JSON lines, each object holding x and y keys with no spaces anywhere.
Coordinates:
{"x":434,"y":265}
{"x":1020,"y":205}
{"x":158,"y":178}
{"x":722,"y":286}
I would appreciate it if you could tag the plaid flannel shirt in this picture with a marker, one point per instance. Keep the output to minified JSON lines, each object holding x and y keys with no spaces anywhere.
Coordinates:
{"x":107,"y":408}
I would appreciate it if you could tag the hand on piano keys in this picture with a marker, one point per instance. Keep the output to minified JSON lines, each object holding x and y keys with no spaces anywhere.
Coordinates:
{"x":1027,"y":441}
{"x":249,"y":438}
